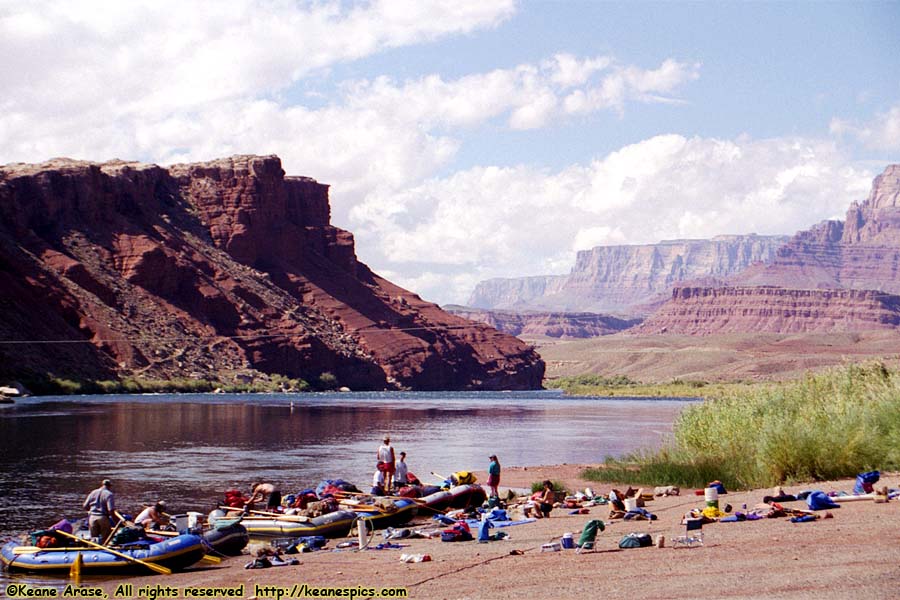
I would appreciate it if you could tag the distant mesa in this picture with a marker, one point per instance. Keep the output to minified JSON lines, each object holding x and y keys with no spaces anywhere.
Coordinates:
{"x":835,"y":276}
{"x":220,"y":270}
{"x":629,"y":281}
{"x":763,"y":309}
{"x":537,"y":324}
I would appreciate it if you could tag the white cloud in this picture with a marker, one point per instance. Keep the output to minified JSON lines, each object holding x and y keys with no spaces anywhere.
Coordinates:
{"x":881,"y":133}
{"x":516,"y":221}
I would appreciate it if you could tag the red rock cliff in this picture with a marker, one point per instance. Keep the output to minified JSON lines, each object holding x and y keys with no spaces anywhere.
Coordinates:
{"x":706,"y":311}
{"x":215,"y":270}
{"x":863,"y":252}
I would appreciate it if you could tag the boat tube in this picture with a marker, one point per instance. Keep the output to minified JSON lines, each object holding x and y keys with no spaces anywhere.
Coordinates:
{"x":175,"y":553}
{"x":331,"y":525}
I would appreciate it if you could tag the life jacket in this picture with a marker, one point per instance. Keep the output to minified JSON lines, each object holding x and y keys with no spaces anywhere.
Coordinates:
{"x":463,"y":478}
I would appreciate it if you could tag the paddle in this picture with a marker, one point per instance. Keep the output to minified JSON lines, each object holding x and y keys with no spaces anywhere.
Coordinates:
{"x":270,"y":515}
{"x":151,"y":566}
{"x":115,"y":529}
{"x":75,"y":569}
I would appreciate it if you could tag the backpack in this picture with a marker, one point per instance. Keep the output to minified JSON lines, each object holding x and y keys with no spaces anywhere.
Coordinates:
{"x":458,"y":533}
{"x":636,"y":540}
{"x":126,"y":535}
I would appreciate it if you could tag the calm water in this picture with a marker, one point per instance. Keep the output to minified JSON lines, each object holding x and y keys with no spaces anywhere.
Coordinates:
{"x":187,"y":449}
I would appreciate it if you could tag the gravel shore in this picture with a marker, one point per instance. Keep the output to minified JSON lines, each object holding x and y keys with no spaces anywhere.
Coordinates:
{"x":854,"y":554}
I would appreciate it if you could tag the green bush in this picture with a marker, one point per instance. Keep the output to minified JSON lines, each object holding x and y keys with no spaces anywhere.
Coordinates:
{"x":538,"y":486}
{"x":831,"y":425}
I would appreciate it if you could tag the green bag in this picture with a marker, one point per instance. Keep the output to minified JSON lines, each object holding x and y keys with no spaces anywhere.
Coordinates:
{"x":636,"y":540}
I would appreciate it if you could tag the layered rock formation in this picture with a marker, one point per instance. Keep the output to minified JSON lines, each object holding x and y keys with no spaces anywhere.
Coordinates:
{"x":215,"y":270}
{"x":629,"y":280}
{"x":706,"y":311}
{"x":545,"y":324}
{"x":861,"y":253}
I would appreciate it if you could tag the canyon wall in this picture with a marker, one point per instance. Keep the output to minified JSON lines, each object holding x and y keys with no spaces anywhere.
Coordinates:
{"x":215,"y":270}
{"x":628,"y":280}
{"x":708,"y":311}
{"x":531,"y":324}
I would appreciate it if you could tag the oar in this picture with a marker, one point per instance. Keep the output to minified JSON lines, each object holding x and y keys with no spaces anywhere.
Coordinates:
{"x":263,"y":513}
{"x":75,"y":569}
{"x":151,"y":566}
{"x":115,"y":529}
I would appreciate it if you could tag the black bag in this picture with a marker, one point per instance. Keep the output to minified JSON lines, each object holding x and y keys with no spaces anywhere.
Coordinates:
{"x":636,"y":540}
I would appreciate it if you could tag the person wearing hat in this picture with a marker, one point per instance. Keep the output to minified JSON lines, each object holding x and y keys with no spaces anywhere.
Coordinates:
{"x":386,"y":462}
{"x":101,"y":506}
{"x":494,"y":476}
{"x":153,"y":517}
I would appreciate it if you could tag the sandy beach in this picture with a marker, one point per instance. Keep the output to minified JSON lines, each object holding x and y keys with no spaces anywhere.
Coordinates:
{"x":854,"y":554}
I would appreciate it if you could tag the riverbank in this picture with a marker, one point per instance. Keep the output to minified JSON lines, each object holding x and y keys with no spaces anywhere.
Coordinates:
{"x":853,"y":554}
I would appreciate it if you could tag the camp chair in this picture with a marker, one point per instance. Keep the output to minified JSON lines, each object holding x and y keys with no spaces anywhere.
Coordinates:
{"x":589,"y":535}
{"x":693,"y":534}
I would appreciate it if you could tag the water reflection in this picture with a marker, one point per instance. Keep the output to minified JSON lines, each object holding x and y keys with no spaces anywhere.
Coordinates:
{"x":188,"y":449}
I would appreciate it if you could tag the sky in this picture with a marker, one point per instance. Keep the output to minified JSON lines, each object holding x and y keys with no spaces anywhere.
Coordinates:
{"x":470,"y":139}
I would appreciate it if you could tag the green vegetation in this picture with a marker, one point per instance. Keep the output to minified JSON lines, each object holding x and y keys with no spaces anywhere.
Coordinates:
{"x":825,"y":426}
{"x":538,"y":486}
{"x":620,"y":385}
{"x":58,"y":386}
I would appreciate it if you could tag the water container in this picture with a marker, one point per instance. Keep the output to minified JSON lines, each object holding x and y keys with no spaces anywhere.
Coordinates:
{"x":711,"y":494}
{"x":180,"y":522}
{"x":630,"y":504}
{"x":193,"y":519}
{"x":362,"y":533}
{"x":567,"y":542}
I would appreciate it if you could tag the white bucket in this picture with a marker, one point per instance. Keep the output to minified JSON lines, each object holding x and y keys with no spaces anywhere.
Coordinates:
{"x":711,"y":494}
{"x":630,"y":504}
{"x":180,"y":522}
{"x":193,"y":519}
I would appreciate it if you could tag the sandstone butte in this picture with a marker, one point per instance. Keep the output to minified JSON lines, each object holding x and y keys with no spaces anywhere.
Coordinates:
{"x":835,"y":277}
{"x":220,"y":270}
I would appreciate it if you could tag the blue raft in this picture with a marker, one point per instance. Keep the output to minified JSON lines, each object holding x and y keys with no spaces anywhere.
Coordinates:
{"x":175,"y":553}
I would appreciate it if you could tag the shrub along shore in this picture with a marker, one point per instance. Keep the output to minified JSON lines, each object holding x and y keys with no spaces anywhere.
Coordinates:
{"x":825,"y":426}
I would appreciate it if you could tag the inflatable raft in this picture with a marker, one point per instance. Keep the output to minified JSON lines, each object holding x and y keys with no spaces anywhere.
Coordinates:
{"x":228,"y":537}
{"x":461,"y":496}
{"x":332,"y":525}
{"x":403,"y":510}
{"x":175,"y":553}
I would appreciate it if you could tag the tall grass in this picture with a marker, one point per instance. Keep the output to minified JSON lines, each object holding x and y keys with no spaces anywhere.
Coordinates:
{"x":824,"y":426}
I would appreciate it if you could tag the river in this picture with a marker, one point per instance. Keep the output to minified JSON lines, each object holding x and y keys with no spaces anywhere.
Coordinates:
{"x":187,"y":449}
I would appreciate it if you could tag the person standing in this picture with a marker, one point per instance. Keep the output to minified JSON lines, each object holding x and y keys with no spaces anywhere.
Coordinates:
{"x":400,"y":472}
{"x":494,"y":476}
{"x":386,"y":462}
{"x":101,"y":506}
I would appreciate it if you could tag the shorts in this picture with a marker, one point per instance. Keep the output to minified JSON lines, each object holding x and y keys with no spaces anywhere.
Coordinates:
{"x":493,"y":480}
{"x":274,"y":500}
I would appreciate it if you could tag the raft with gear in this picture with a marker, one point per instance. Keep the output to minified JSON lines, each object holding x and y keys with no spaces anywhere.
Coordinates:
{"x":175,"y":553}
{"x":381,"y":514}
{"x":460,"y":496}
{"x":331,"y":525}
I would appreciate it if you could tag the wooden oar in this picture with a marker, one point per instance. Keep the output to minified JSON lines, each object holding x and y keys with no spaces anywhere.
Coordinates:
{"x":151,"y":566}
{"x":262,"y":513}
{"x":115,"y":529}
{"x":75,"y":569}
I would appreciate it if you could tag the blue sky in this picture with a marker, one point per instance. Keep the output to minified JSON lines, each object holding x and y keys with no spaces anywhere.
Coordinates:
{"x":473,"y":139}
